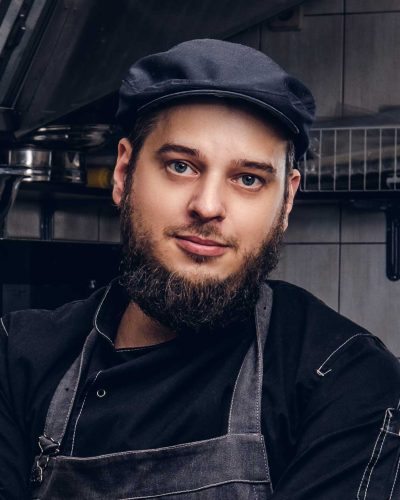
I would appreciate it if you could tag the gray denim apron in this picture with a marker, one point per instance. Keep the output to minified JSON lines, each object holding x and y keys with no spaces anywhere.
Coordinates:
{"x":233,"y":466}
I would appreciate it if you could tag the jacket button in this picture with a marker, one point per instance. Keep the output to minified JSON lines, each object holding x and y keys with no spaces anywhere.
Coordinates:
{"x":100,"y":393}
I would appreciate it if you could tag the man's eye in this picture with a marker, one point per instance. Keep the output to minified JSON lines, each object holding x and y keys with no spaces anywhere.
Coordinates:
{"x":180,"y":167}
{"x":251,"y":181}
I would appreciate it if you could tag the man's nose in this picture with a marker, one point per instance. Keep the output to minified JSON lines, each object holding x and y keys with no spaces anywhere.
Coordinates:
{"x":207,"y":201}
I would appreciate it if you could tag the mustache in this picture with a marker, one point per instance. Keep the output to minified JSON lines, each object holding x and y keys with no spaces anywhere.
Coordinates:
{"x":203,"y":230}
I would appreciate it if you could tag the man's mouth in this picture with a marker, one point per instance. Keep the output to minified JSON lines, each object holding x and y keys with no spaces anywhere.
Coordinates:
{"x":201,"y":246}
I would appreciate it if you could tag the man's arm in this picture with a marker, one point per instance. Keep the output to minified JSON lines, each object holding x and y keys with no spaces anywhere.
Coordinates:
{"x":349,"y":435}
{"x":14,"y":466}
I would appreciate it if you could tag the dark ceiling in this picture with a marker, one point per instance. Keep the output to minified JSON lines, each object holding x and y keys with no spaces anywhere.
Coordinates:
{"x":59,"y":56}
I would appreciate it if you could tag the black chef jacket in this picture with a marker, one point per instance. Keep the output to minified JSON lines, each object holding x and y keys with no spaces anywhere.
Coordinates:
{"x":330,"y":407}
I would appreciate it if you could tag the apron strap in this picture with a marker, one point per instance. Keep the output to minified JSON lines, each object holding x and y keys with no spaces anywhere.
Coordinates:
{"x":60,"y":409}
{"x":245,"y":410}
{"x":63,"y":399}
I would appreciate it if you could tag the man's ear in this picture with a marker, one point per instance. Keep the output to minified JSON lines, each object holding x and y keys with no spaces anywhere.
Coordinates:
{"x":293,"y":186}
{"x":121,"y":169}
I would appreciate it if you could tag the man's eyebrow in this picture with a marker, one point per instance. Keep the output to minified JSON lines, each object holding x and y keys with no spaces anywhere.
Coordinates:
{"x":258,"y":165}
{"x":170,"y":147}
{"x":178,"y":148}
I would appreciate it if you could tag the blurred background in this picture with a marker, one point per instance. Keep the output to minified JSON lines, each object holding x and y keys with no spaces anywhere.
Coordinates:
{"x":61,"y":63}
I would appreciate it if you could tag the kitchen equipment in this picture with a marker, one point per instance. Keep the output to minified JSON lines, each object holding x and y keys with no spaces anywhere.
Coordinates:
{"x":75,"y":137}
{"x":361,"y":164}
{"x":28,"y":164}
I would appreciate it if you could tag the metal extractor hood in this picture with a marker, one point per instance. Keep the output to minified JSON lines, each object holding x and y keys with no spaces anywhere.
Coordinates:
{"x":57,"y":56}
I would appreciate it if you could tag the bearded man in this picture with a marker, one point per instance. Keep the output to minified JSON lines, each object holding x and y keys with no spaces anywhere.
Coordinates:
{"x":191,"y":375}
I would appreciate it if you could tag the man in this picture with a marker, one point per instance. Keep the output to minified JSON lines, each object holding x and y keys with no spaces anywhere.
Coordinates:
{"x":191,"y":376}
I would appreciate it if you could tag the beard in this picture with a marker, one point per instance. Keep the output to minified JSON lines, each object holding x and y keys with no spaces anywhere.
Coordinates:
{"x":188,"y":305}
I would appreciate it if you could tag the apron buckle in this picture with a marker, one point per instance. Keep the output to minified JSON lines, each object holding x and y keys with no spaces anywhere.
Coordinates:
{"x":48,"y":448}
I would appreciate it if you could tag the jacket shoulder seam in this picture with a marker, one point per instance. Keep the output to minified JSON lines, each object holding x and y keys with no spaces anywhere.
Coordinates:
{"x":4,"y":326}
{"x":323,"y":370}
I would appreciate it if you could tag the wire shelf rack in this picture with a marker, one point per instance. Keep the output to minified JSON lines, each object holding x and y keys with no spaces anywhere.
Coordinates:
{"x":353,"y":159}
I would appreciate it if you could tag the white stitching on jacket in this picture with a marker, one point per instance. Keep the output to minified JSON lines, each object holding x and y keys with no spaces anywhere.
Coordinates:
{"x":376,"y":461}
{"x":384,"y":426}
{"x":395,"y":479}
{"x":4,"y":326}
{"x":97,"y":313}
{"x":80,"y":411}
{"x":319,"y":371}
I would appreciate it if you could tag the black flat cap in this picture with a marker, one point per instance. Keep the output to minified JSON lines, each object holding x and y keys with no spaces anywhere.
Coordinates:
{"x":222,"y":69}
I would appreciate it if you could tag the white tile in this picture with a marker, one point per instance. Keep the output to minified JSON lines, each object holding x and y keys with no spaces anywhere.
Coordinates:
{"x":313,"y":267}
{"x":313,"y":224}
{"x":367,"y":296}
{"x":363,"y":226}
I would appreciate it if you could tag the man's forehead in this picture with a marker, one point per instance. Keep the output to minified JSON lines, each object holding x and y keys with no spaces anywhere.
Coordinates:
{"x":199,"y":130}
{"x":208,"y":117}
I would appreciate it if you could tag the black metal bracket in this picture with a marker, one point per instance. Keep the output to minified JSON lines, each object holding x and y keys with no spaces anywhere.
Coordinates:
{"x":391,"y":207}
{"x":393,"y":242}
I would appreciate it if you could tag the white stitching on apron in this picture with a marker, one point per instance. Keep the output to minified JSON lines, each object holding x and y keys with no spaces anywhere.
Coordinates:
{"x":233,"y":395}
{"x":194,"y":489}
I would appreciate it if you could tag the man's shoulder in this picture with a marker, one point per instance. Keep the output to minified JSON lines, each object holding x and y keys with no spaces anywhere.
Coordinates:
{"x":314,"y":335}
{"x":336,"y":389}
{"x":36,"y":349}
{"x":40,"y":334}
{"x":30,"y":320}
{"x":307,"y":308}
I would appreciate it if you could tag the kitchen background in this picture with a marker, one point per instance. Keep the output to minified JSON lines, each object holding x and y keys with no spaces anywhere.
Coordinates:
{"x":57,"y":246}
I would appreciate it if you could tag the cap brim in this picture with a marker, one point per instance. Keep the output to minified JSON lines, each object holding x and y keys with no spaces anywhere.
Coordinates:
{"x":285,"y":120}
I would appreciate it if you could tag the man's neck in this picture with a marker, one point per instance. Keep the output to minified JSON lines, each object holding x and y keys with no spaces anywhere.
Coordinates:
{"x":138,"y":330}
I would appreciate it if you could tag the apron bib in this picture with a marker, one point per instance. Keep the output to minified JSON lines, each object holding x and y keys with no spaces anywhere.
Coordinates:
{"x":233,"y":466}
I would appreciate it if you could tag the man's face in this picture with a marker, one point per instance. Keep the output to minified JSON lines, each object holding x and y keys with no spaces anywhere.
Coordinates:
{"x":208,"y":188}
{"x":207,"y":196}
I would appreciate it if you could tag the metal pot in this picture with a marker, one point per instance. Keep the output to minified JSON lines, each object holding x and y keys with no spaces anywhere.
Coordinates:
{"x":31,"y":164}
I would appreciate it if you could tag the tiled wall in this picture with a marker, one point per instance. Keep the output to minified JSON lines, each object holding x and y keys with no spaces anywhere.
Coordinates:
{"x":89,"y":220}
{"x":346,"y":51}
